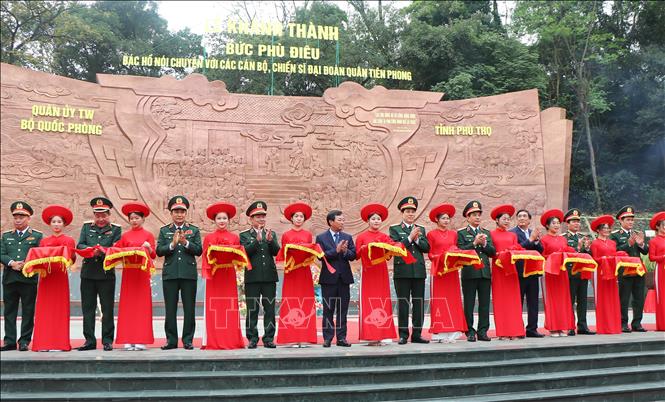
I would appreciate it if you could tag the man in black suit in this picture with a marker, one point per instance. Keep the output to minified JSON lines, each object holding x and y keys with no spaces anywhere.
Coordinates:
{"x":339,"y":250}
{"x":529,"y":240}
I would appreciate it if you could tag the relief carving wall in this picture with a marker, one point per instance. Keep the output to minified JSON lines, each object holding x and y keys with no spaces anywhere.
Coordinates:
{"x":162,"y":137}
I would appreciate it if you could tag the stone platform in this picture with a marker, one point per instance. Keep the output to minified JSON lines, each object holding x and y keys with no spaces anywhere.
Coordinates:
{"x":600,"y":367}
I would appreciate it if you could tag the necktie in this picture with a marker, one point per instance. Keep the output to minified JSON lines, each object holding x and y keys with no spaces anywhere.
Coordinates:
{"x":336,"y":237}
{"x":19,"y":233}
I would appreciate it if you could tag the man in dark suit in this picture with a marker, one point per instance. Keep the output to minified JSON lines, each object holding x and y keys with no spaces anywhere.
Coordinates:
{"x":529,"y":240}
{"x":476,"y":281}
{"x":410,"y":279}
{"x":339,"y":250}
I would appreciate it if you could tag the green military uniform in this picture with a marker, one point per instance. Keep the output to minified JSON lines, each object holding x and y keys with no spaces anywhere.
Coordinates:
{"x":95,"y":282}
{"x":179,"y":276}
{"x":630,"y":285}
{"x":17,"y":288}
{"x":578,"y":286}
{"x":476,"y":281}
{"x":260,"y":281}
{"x":409,"y":279}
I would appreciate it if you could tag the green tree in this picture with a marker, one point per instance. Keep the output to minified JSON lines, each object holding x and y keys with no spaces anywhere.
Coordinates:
{"x":92,"y":39}
{"x":27,"y":31}
{"x":461,"y":48}
{"x":573,"y":48}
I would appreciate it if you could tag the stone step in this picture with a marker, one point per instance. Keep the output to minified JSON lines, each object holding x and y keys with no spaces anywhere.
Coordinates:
{"x":373,"y":392}
{"x":235,"y":379}
{"x":641,"y":391}
{"x":217,"y":361}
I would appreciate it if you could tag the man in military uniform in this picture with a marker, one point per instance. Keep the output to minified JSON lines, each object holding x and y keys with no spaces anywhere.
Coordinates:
{"x":16,"y":287}
{"x":476,"y":281}
{"x":633,"y":243}
{"x":410,"y":279}
{"x":95,"y":282}
{"x":578,"y":286}
{"x":261,"y":282}
{"x":179,"y":243}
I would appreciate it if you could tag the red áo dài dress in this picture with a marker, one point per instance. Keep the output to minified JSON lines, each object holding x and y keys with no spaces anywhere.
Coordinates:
{"x":506,"y":296}
{"x":657,"y":254}
{"x":446,"y":309}
{"x":376,"y":309}
{"x":222,"y":315}
{"x":558,"y":309}
{"x":297,"y":309}
{"x":135,"y":306}
{"x":608,"y":305}
{"x":52,"y":305}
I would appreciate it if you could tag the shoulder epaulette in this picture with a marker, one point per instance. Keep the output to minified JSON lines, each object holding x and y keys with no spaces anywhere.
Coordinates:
{"x":246,"y":230}
{"x":194,"y":226}
{"x":88,"y":222}
{"x":8,"y":231}
{"x":115,"y":224}
{"x":396,"y":224}
{"x":35,"y":230}
{"x":616,"y":231}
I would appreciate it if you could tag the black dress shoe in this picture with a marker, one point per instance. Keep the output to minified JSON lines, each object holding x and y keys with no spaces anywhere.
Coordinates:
{"x":108,"y":347}
{"x":484,"y":338}
{"x":471,"y":338}
{"x":343,"y":343}
{"x":402,"y":341}
{"x":189,"y":346}
{"x":168,"y":346}
{"x":571,"y":332}
{"x":626,"y":329}
{"x":252,"y":345}
{"x":23,"y":347}
{"x":326,"y":344}
{"x":585,"y":331}
{"x":88,"y":346}
{"x":419,"y":340}
{"x":269,"y":345}
{"x":534,"y":334}
{"x":9,"y":346}
{"x":639,"y":329}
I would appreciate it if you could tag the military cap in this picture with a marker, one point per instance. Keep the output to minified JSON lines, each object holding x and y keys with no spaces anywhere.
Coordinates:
{"x":178,"y":202}
{"x":572,"y":214}
{"x":408,"y":202}
{"x":21,"y":208}
{"x":101,"y":204}
{"x":256,"y":208}
{"x":626,"y":212}
{"x":472,"y":206}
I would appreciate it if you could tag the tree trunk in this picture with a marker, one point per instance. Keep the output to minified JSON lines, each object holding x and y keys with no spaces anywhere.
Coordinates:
{"x":592,"y":156}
